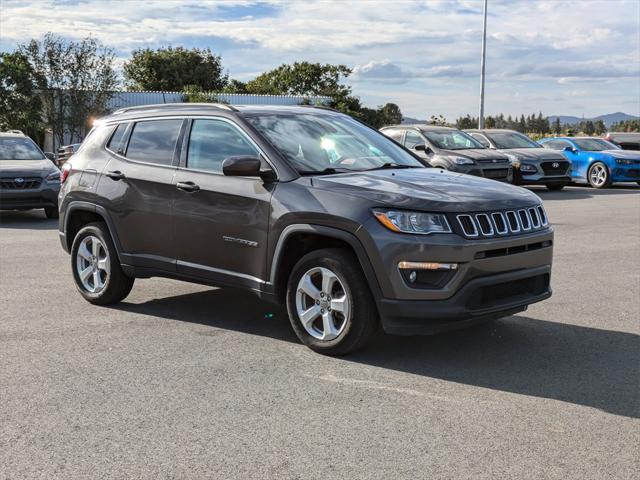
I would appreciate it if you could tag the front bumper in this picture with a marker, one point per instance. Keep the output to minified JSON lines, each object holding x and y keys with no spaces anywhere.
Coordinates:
{"x":626,"y":173}
{"x":502,"y":172}
{"x":494,"y":277}
{"x":540,"y":177}
{"x":480,"y":300}
{"x":47,"y":196}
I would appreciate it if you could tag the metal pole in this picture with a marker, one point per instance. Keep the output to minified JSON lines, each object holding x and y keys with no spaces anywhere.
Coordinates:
{"x":484,"y":54}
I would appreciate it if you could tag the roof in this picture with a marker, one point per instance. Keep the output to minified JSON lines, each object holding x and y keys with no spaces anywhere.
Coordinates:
{"x":13,"y":134}
{"x":422,"y":127}
{"x":208,"y":108}
{"x":490,"y":130}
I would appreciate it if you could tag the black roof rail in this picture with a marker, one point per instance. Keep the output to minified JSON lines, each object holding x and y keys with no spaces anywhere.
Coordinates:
{"x":170,"y":106}
{"x":323,"y":107}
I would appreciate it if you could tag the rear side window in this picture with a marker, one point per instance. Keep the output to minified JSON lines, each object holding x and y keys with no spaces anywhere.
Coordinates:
{"x":211,"y":141}
{"x":115,"y":144}
{"x":154,"y":141}
{"x":556,"y":144}
{"x":395,"y":134}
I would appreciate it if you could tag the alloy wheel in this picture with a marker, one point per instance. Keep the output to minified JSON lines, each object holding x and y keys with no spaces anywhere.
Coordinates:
{"x":92,"y":264}
{"x":598,"y":175}
{"x":322,"y":304}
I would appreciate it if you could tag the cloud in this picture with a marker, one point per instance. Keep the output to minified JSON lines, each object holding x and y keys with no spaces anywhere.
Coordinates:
{"x":420,"y":54}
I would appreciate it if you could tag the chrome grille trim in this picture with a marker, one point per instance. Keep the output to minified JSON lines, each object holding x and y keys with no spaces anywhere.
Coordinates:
{"x":524,"y":227}
{"x":513,"y":229}
{"x":488,"y":220}
{"x":533,"y":215}
{"x":543,"y":216}
{"x":475,"y":229}
{"x":504,"y":221}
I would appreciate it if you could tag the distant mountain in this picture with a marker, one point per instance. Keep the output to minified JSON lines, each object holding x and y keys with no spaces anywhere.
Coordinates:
{"x":410,"y":120}
{"x":608,"y":119}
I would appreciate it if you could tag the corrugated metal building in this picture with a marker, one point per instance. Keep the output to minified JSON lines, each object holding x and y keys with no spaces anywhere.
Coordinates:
{"x":133,"y":99}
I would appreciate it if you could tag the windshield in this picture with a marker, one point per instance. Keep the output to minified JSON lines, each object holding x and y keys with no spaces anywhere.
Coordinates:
{"x":328,"y":143}
{"x":452,"y":140}
{"x":16,"y":148}
{"x":594,"y":144}
{"x":507,"y":140}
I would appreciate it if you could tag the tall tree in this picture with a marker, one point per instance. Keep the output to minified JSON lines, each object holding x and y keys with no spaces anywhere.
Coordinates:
{"x":557,"y":127}
{"x":75,"y":80}
{"x":173,"y":69}
{"x":20,"y":106}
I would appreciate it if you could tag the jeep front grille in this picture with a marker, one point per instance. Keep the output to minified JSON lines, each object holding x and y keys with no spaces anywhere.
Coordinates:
{"x":496,"y":224}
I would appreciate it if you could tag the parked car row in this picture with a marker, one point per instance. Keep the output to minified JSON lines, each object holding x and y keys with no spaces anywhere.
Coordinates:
{"x":510,"y":156}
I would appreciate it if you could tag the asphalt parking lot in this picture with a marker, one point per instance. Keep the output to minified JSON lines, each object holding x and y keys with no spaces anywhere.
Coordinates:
{"x":185,"y":381}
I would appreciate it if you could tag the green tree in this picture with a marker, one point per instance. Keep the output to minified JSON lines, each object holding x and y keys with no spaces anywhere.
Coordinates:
{"x":439,"y":120}
{"x":557,"y":126}
{"x":588,"y":127}
{"x":390,"y":114}
{"x":489,"y":122}
{"x":235,"y":86}
{"x":466,"y":122}
{"x":600,"y":127}
{"x":173,"y":69}
{"x":20,"y":106}
{"x":75,"y":80}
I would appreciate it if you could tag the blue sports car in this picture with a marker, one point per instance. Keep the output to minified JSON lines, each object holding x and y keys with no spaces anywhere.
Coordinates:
{"x":596,"y":161}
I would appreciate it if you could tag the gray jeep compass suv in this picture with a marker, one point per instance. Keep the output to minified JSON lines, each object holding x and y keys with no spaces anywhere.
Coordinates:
{"x":28,"y":177}
{"x":303,"y":206}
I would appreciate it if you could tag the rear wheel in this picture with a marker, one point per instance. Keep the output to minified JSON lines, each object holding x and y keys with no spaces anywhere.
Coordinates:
{"x":51,"y":212}
{"x":96,"y":268}
{"x":329,"y":302}
{"x":598,"y":175}
{"x":556,"y":187}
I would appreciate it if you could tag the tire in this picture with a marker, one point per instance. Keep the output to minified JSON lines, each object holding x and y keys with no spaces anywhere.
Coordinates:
{"x":352,"y":325}
{"x":99,"y":255}
{"x":555,"y":187}
{"x":51,"y":212}
{"x":598,"y":175}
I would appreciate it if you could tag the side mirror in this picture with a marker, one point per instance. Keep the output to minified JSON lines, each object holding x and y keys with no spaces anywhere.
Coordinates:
{"x":245,"y":166}
{"x":51,"y":156}
{"x":421,"y":147}
{"x":570,"y":149}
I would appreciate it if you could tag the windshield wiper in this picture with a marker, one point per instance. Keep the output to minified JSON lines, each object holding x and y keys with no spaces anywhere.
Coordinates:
{"x":388,"y":165}
{"x":325,"y":171}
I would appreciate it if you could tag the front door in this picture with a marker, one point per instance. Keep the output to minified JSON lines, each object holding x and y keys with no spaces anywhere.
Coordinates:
{"x":221,"y":223}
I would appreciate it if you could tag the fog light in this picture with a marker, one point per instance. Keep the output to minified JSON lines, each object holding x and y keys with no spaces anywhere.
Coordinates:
{"x":412,"y":276}
{"x":427,"y":266}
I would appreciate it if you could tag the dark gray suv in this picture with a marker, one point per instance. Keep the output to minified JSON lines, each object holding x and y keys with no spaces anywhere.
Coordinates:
{"x":29,"y":178}
{"x":451,"y":149}
{"x":302,"y":206}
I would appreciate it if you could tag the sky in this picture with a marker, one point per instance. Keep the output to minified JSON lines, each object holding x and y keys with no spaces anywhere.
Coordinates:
{"x":561,"y":57}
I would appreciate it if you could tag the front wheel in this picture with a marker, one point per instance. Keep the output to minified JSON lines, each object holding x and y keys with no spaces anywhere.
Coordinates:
{"x":598,"y":176}
{"x":556,"y":187}
{"x":96,"y":268}
{"x":329,"y":302}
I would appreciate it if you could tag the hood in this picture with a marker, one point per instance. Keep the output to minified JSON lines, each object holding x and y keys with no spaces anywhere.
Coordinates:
{"x":26,"y":168}
{"x":474,"y":153}
{"x":626,"y":154}
{"x":428,"y":189}
{"x":535,"y":154}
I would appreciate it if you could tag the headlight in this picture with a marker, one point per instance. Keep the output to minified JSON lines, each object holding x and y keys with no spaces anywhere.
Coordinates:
{"x":461,"y":160}
{"x":54,"y":177}
{"x":624,"y":161}
{"x":525,"y":167}
{"x":413,"y":222}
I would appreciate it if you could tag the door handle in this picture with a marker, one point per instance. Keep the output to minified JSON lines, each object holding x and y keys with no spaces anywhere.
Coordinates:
{"x":115,"y":175}
{"x":188,"y":187}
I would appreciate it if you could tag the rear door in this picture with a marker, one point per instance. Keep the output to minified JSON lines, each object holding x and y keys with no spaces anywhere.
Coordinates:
{"x":137,"y":184}
{"x":221,"y":223}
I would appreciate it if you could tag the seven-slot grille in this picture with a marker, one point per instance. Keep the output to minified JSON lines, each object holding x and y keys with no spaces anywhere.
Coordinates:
{"x":19,"y":183}
{"x":495,"y":224}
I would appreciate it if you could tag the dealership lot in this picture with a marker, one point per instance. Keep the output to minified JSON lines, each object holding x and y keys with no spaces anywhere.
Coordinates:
{"x":186,"y":381}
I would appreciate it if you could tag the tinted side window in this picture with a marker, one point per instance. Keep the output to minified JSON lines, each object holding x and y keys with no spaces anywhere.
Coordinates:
{"x":154,"y":141}
{"x":115,"y":144}
{"x":557,"y":144}
{"x":211,"y":141}
{"x":481,"y":139}
{"x":412,"y":139}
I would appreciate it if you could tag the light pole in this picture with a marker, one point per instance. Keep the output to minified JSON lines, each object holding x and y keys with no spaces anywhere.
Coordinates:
{"x":484,"y":54}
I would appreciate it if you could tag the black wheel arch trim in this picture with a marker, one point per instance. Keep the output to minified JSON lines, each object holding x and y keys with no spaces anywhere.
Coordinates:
{"x":79,"y":205}
{"x":331,"y":232}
